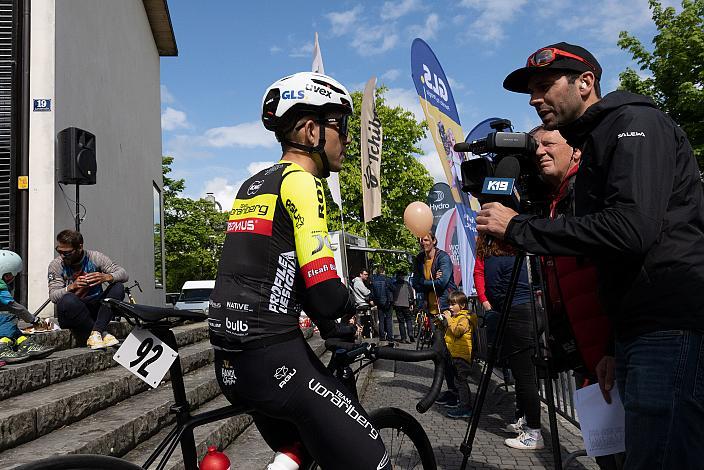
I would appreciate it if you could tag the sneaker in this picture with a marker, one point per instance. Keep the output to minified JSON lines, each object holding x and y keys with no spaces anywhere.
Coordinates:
{"x":95,"y":340}
{"x":459,"y":413}
{"x":446,"y":397}
{"x":528,"y":439}
{"x":453,"y":403}
{"x":9,"y":355}
{"x":109,"y":339}
{"x":31,"y":348}
{"x":516,"y":427}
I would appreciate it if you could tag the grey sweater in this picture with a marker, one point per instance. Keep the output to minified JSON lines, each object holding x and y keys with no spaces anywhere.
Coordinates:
{"x":97,"y":262}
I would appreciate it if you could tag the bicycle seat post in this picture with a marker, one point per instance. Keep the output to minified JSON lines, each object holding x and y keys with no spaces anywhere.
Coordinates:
{"x":180,"y":407}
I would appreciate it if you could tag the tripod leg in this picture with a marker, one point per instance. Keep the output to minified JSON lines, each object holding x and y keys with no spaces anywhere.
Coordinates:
{"x":466,"y":446}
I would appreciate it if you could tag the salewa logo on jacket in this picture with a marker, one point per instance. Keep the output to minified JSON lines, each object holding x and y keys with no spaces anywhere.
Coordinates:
{"x":631,"y":134}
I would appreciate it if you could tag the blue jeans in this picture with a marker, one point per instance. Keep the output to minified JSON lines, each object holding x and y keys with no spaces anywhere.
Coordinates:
{"x":660,"y":378}
{"x":386,"y":324}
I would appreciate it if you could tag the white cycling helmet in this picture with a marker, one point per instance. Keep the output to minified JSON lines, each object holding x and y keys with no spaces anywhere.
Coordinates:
{"x":10,"y":262}
{"x":300,"y":93}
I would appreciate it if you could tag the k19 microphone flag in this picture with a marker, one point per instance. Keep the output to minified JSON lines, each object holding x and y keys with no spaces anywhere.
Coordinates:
{"x":440,"y":112}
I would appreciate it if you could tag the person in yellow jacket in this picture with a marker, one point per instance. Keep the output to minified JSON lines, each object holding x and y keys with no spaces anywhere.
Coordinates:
{"x":458,"y":337}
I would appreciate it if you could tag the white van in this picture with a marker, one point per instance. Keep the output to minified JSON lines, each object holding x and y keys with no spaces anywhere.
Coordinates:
{"x":194,"y":296}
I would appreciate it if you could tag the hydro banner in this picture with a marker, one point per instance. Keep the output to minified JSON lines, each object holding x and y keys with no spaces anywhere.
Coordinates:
{"x":443,"y":120}
{"x":445,"y":225}
{"x":370,"y":147}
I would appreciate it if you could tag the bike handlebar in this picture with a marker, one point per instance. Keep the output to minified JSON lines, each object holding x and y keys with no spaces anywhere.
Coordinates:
{"x":435,"y":354}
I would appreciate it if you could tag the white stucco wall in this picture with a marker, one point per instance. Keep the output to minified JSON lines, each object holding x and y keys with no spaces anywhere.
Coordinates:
{"x":107,"y":82}
{"x":41,"y":153}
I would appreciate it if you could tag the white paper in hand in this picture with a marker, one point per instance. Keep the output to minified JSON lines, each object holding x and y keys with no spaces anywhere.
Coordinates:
{"x":603,"y":425}
{"x":146,"y":356}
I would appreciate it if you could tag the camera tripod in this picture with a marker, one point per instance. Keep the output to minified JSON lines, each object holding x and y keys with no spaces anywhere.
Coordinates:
{"x":542,"y":359}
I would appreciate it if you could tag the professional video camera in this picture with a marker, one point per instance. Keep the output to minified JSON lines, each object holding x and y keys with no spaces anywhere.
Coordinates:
{"x":513,"y":162}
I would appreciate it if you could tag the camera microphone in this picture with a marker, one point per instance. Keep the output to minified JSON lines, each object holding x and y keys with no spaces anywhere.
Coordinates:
{"x":462,"y":147}
{"x":501,"y":186}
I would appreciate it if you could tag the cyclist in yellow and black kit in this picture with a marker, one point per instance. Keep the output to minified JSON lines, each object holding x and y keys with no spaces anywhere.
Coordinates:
{"x":276,"y":260}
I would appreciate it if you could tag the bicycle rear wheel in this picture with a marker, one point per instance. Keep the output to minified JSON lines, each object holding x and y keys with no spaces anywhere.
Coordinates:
{"x":406,"y":442}
{"x":80,"y":462}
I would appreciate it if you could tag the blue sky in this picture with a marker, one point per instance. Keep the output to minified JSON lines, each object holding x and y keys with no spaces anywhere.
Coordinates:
{"x":230,"y":51}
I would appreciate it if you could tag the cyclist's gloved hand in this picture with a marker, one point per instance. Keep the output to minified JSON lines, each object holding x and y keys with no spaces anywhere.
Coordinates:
{"x":331,"y":329}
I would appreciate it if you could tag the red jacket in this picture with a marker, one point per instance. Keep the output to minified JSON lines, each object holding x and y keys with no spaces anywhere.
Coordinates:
{"x":571,"y":284}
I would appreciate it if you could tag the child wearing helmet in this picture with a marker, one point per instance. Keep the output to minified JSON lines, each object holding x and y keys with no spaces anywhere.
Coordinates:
{"x":14,"y":346}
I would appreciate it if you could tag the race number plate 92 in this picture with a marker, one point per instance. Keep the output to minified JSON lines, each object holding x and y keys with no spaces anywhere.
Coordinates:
{"x":146,"y":356}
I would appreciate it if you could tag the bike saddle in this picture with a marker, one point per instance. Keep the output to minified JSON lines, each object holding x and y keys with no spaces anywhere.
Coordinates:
{"x":149,"y":314}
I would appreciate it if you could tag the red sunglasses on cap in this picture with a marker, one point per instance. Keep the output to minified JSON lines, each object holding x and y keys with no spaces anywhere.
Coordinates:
{"x":548,"y":55}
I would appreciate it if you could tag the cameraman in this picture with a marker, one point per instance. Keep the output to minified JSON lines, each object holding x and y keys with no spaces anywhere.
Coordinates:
{"x":639,"y":213}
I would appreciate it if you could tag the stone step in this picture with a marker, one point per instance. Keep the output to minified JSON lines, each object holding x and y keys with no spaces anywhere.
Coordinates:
{"x":220,"y":434}
{"x":67,"y":364}
{"x":34,"y":414}
{"x":116,"y":430}
{"x":64,"y":339}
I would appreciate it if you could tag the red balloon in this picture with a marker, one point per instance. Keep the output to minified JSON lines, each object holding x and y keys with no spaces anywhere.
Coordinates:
{"x":418,"y":218}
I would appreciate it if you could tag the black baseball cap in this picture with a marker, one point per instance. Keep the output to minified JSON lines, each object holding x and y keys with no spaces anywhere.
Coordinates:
{"x":555,"y":57}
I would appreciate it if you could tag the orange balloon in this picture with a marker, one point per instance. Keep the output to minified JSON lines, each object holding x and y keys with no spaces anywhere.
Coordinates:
{"x":418,"y":218}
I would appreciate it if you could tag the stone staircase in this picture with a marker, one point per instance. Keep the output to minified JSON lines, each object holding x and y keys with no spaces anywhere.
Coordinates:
{"x":81,"y":401}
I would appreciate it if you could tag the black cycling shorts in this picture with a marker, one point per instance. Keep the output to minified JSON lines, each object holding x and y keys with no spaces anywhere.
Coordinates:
{"x":298,"y":400}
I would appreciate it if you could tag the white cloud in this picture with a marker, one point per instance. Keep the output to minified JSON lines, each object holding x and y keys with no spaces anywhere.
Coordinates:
{"x":166,"y":96}
{"x":405,"y":98}
{"x":395,"y":10}
{"x":491,"y":17}
{"x":607,"y":18}
{"x":275,"y":49}
{"x":391,"y":75}
{"x":255,"y":167}
{"x":432,"y":163}
{"x":173,"y":119}
{"x":248,"y":134}
{"x":224,"y":191}
{"x":428,"y":30}
{"x":306,"y":50}
{"x":455,"y":85}
{"x":342,"y":22}
{"x":374,"y":40}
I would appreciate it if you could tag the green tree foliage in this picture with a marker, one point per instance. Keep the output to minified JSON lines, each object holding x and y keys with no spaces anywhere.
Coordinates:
{"x":403,"y":180}
{"x":675,"y":67}
{"x":194,"y":234}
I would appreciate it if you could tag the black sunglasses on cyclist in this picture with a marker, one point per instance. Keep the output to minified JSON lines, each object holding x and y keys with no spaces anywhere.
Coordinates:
{"x":343,"y":124}
{"x":548,"y":55}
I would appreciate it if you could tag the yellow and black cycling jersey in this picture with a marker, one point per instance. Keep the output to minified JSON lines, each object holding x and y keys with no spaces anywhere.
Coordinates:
{"x":276,"y":260}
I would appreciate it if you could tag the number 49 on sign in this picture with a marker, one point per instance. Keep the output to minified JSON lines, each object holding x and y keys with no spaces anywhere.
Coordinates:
{"x":146,"y":356}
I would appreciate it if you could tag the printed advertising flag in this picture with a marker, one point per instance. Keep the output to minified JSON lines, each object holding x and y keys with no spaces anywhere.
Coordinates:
{"x":333,"y":179}
{"x":371,"y":153}
{"x":443,"y":120}
{"x":445,"y":225}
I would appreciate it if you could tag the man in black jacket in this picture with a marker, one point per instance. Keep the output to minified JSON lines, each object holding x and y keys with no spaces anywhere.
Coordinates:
{"x":639,"y":214}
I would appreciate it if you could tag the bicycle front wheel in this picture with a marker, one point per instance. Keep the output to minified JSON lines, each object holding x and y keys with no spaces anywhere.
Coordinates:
{"x":80,"y":462}
{"x":405,"y":439}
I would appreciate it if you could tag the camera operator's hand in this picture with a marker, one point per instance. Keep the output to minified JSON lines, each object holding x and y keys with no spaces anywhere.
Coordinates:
{"x":494,"y":218}
{"x":605,"y":370}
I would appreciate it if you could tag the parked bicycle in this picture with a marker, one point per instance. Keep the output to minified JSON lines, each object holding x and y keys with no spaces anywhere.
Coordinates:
{"x":128,"y":291}
{"x":406,"y":441}
{"x":423,"y":330}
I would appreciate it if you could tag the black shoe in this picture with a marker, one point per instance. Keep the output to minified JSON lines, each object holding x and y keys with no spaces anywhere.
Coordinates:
{"x":446,"y":397}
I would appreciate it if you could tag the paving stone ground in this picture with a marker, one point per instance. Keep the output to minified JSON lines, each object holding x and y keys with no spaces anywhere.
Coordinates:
{"x":401,"y":385}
